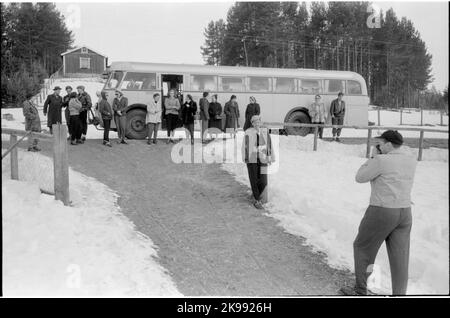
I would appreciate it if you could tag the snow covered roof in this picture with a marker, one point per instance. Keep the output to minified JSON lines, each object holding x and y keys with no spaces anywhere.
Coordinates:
{"x":82,"y":46}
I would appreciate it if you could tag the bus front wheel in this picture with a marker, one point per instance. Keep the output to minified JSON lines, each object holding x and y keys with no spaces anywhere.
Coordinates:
{"x":136,"y":128}
{"x":301,"y":118}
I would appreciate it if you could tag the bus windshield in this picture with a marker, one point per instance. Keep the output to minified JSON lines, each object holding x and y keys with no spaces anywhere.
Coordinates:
{"x":114,"y":80}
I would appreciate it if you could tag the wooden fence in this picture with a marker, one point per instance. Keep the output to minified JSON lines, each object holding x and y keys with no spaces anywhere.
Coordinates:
{"x":368,"y":128}
{"x":401,"y":110}
{"x":60,"y":157}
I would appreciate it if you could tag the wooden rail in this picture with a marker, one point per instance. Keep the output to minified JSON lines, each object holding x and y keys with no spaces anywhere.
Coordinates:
{"x":368,"y":128}
{"x":60,"y":157}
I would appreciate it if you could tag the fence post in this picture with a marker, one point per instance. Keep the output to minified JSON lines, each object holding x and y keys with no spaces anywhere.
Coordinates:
{"x":420,"y":145}
{"x":421,"y":116}
{"x":442,"y":118}
{"x":14,"y":159}
{"x":61,"y":163}
{"x":369,"y":137}
{"x":378,"y":113}
{"x":316,"y":131}
{"x":401,"y":116}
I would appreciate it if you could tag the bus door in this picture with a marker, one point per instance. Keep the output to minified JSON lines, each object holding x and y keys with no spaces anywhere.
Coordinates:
{"x":168,"y":82}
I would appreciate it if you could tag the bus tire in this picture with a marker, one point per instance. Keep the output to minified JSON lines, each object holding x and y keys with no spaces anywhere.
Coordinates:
{"x":136,"y":128}
{"x":298,"y":117}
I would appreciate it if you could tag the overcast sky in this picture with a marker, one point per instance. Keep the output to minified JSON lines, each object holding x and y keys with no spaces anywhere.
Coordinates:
{"x":173,"y":32}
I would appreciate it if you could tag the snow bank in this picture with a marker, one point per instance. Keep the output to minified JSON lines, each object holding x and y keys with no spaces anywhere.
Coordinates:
{"x":88,"y":249}
{"x":314,"y":195}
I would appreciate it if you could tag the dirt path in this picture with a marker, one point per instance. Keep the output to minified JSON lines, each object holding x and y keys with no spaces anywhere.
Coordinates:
{"x":209,"y":237}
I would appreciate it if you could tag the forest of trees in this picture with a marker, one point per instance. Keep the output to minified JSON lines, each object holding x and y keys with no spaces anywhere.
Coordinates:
{"x":334,"y":36}
{"x":33,"y":37}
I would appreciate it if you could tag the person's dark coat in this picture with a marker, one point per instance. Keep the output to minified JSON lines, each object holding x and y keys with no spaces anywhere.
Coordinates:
{"x":120,"y":105}
{"x":215,"y":115}
{"x":105,"y":109}
{"x":31,"y":114}
{"x":252,"y":109}
{"x":86,"y":102}
{"x":188,"y":113}
{"x":52,"y":109}
{"x":231,"y":110}
{"x":336,"y":110}
{"x":204,"y":108}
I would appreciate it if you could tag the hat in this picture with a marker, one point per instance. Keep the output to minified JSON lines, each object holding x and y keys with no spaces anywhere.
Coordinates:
{"x":392,"y":136}
{"x":119,"y":91}
{"x":56,"y":88}
{"x":80,"y":86}
{"x":255,"y":118}
{"x":68,"y":87}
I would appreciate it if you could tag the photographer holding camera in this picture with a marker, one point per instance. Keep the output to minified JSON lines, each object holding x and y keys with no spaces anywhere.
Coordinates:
{"x":388,"y":218}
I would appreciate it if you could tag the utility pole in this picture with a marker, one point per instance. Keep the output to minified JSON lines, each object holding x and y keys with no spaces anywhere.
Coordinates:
{"x":245,"y":52}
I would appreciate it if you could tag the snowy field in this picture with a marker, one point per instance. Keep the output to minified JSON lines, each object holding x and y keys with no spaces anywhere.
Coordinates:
{"x":87,"y":249}
{"x":314,"y":195}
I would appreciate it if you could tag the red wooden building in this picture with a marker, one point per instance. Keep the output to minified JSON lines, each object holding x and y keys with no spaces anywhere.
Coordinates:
{"x":83,"y":61}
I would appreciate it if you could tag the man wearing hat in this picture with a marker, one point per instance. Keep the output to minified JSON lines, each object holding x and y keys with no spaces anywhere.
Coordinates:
{"x":337,"y":113}
{"x":86,"y":105}
{"x":52,"y":108}
{"x":388,"y":218}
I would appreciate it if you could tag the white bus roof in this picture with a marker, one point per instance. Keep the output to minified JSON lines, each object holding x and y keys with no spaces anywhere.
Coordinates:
{"x":232,"y":70}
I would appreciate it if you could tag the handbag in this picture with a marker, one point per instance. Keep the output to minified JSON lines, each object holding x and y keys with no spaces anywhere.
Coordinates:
{"x":92,"y":119}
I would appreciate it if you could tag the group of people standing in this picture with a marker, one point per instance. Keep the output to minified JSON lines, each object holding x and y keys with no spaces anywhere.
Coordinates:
{"x":319,"y":115}
{"x":208,"y":110}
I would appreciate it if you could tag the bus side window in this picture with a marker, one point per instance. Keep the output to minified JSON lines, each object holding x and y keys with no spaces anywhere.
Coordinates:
{"x":353,"y":88}
{"x":232,"y":84}
{"x":284,"y":85}
{"x":310,"y":86}
{"x":260,"y":84}
{"x":334,"y":86}
{"x":203,"y":83}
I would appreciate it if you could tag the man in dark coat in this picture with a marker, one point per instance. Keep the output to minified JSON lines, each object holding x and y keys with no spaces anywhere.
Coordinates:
{"x":52,"y":108}
{"x":86,"y":105}
{"x":204,"y":112}
{"x":337,"y":112}
{"x":66,"y":105}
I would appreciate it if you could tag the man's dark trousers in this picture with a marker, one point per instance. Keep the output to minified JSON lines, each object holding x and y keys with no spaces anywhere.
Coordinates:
{"x":258,"y":181}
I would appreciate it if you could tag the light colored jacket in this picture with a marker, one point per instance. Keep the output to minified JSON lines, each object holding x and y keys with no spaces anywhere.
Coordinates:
{"x":153,"y":112}
{"x":74,"y":106}
{"x":172,"y":105}
{"x":391,"y":177}
{"x":317,"y":112}
{"x":257,"y":147}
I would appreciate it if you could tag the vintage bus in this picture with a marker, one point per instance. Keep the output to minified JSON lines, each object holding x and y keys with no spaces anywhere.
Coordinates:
{"x":283,"y":94}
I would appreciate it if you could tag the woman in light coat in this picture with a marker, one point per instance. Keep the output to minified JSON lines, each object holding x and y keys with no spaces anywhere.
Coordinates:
{"x":153,"y":118}
{"x":318,"y":114}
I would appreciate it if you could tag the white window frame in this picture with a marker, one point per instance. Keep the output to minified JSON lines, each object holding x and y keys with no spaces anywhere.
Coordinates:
{"x":85,"y":60}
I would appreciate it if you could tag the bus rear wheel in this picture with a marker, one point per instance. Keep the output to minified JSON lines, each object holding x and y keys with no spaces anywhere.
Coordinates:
{"x":136,"y":128}
{"x":301,"y":118}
